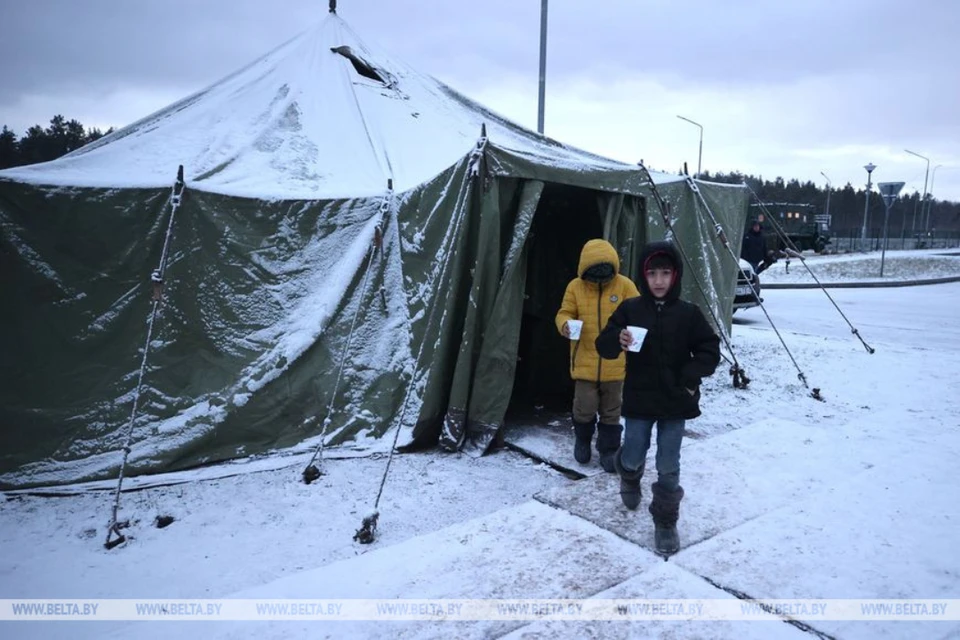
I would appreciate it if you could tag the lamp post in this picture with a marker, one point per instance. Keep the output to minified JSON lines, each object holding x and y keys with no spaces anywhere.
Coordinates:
{"x":543,"y":65}
{"x":933,"y":177}
{"x":924,"y":197}
{"x":700,"y":154}
{"x":829,"y":189}
{"x":866,"y":207}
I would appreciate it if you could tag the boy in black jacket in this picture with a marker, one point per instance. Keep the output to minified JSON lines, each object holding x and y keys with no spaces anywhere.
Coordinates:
{"x":662,"y":384}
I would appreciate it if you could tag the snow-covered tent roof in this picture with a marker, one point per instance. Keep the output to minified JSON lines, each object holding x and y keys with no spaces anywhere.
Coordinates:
{"x":267,"y":130}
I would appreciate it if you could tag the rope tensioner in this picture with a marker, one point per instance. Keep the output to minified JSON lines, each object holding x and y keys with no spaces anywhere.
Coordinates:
{"x":722,"y":235}
{"x":740,"y":379}
{"x":368,"y":529}
{"x":156,"y":278}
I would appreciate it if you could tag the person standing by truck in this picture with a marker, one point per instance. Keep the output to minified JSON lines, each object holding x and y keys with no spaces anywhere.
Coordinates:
{"x":753,"y":249}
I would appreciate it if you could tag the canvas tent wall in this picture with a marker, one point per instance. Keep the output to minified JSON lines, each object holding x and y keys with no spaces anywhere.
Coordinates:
{"x":287,"y":246}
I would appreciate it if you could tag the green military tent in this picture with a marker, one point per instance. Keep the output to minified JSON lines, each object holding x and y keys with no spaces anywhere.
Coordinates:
{"x":358,"y":249}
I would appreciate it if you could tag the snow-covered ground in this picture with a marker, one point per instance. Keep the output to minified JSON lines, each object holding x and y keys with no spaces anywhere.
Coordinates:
{"x":919,"y":264}
{"x":787,"y":497}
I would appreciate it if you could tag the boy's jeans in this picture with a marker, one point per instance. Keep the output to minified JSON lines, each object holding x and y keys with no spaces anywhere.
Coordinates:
{"x":636,"y":442}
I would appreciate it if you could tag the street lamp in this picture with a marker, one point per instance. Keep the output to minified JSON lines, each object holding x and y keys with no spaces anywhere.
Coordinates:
{"x":933,"y":177}
{"x":829,"y":189}
{"x":700,"y":155}
{"x":922,"y":199}
{"x":866,"y":207}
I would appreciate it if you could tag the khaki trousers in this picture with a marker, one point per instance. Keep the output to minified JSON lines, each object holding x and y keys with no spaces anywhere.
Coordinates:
{"x":591,"y":398}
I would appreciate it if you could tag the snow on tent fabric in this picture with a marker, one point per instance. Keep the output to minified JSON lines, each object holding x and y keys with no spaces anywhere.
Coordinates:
{"x":287,"y":163}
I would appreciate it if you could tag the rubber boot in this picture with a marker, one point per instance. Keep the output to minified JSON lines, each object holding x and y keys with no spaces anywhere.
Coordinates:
{"x":608,"y":441}
{"x":665,"y":509}
{"x":629,"y":483}
{"x":583,"y":435}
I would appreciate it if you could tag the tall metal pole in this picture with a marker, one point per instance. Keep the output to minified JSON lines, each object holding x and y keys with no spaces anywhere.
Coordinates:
{"x":700,"y":154}
{"x":933,"y":177}
{"x":924,"y":197}
{"x":889,"y":191}
{"x":886,"y":219}
{"x":543,"y":65}
{"x":829,"y":189}
{"x":925,"y":176}
{"x":913,"y":226}
{"x":866,"y":207}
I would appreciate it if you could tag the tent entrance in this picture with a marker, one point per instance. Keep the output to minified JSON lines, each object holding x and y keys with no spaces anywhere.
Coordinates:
{"x":565,"y":218}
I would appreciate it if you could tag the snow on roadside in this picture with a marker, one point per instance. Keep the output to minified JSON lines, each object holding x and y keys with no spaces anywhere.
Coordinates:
{"x":898,"y":265}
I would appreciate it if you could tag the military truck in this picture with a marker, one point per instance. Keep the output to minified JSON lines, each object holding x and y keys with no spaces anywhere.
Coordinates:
{"x":806,"y":229}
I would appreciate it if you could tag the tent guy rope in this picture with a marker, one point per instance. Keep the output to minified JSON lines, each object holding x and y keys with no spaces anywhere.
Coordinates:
{"x":722,"y":237}
{"x":114,"y":535}
{"x":740,"y":379}
{"x":311,"y":472}
{"x":367,"y":531}
{"x":796,"y":253}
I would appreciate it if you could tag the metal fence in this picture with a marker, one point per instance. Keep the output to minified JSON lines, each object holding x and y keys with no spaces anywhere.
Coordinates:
{"x":849,"y":240}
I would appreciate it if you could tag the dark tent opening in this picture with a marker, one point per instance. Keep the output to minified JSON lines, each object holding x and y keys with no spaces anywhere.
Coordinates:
{"x":566,"y":217}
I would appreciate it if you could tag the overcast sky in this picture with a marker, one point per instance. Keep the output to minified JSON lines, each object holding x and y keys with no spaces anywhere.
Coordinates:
{"x":782,"y":87}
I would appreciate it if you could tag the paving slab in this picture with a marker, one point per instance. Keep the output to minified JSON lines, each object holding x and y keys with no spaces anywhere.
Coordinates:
{"x":529,"y":551}
{"x":855,"y":540}
{"x":552,"y":442}
{"x":666,"y":581}
{"x":729,"y":479}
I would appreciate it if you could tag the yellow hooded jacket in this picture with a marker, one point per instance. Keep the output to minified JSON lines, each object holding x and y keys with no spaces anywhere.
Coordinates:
{"x":594,"y":303}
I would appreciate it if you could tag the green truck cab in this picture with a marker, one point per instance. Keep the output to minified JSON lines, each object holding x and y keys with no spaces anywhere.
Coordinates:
{"x":805,"y":228}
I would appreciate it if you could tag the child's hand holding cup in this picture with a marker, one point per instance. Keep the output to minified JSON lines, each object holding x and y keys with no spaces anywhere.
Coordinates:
{"x":631,"y":338}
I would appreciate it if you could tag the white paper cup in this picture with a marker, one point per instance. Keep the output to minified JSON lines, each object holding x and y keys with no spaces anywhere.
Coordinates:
{"x":638,"y":333}
{"x":574,"y":327}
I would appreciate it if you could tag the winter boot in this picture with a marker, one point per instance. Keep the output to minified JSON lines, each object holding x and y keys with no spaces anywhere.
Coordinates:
{"x":665,"y":509}
{"x":629,"y":483}
{"x":608,"y":441}
{"x":583,"y":435}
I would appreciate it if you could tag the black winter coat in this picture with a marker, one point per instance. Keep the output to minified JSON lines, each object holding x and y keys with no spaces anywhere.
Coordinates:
{"x":680,"y":349}
{"x":754,"y":248}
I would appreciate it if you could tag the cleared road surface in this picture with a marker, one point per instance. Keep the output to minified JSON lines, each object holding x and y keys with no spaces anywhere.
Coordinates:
{"x":924,"y":316}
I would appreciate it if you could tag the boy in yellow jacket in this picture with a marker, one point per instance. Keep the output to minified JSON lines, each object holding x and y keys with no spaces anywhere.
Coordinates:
{"x":592,"y":298}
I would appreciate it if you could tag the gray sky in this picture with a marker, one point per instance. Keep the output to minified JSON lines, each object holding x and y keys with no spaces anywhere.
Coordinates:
{"x":782,"y":87}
